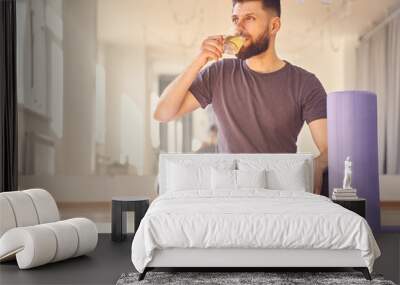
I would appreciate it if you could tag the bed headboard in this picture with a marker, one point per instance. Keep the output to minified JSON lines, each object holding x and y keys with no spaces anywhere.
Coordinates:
{"x":209,"y":158}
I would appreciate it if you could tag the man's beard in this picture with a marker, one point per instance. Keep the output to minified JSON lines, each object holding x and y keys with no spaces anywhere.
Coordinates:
{"x":254,"y":49}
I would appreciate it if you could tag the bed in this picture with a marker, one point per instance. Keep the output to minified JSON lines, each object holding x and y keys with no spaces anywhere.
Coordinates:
{"x":246,"y":211}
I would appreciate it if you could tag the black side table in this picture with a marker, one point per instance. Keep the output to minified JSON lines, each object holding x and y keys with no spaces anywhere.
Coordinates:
{"x":358,"y":206}
{"x":121,"y":205}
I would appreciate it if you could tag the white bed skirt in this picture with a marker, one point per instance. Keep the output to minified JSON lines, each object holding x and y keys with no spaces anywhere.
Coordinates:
{"x":192,"y":257}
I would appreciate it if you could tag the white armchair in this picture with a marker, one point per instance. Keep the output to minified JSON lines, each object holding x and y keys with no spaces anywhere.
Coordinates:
{"x":31,"y":230}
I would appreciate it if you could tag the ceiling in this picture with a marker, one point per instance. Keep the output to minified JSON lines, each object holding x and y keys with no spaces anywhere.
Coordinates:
{"x":182,"y":24}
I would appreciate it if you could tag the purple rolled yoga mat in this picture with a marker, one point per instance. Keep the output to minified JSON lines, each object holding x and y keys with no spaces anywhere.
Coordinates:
{"x":352,"y":131}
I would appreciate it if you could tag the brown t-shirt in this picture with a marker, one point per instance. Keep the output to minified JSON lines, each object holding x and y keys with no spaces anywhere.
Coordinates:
{"x":259,"y":112}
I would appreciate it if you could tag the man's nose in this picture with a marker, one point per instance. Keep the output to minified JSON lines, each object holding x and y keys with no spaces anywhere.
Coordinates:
{"x":238,"y":30}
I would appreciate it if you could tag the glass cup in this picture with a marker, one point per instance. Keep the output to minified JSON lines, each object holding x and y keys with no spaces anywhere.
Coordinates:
{"x":233,"y":44}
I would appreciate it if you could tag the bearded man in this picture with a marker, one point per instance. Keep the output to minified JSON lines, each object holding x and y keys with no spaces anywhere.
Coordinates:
{"x":260,"y":101}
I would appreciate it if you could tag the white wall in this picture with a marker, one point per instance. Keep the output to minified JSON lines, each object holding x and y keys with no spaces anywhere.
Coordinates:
{"x":389,"y":187}
{"x":79,"y":41}
{"x":82,"y":189}
{"x":125,"y":69}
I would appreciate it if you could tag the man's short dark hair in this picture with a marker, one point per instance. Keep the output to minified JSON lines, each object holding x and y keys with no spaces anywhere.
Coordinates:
{"x":274,"y":5}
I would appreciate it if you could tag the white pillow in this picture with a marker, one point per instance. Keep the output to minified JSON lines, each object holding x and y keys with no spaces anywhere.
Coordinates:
{"x":291,"y":178}
{"x":285,"y":174}
{"x":189,"y":174}
{"x":188,"y":177}
{"x":236,"y":179}
{"x":251,"y":178}
{"x":223,"y":179}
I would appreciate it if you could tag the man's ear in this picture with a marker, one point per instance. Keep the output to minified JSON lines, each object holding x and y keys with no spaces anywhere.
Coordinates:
{"x":275,"y":26}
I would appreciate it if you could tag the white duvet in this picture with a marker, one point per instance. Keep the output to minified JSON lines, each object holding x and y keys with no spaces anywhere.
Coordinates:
{"x":250,"y":218}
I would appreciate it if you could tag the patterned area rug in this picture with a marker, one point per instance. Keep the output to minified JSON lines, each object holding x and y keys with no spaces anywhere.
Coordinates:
{"x":275,"y":278}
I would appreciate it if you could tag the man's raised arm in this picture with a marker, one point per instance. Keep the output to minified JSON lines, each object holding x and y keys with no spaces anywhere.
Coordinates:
{"x":176,"y":100}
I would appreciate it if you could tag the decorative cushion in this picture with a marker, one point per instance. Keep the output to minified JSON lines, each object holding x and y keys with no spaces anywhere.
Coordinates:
{"x":46,"y":207}
{"x":27,"y":208}
{"x":87,"y":233}
{"x":7,"y":220}
{"x":251,"y":178}
{"x":23,"y":208}
{"x":288,"y":177}
{"x":236,"y":179}
{"x":281,"y":174}
{"x":67,"y":239}
{"x":188,"y":177}
{"x":33,"y":246}
{"x":223,"y":179}
{"x":40,"y":244}
{"x":189,"y":174}
{"x":31,"y":233}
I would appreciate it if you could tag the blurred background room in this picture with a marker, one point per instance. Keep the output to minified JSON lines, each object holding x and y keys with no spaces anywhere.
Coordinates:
{"x":90,"y":73}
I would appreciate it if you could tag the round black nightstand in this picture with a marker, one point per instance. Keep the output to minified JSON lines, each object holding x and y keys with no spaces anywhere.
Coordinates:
{"x":358,"y":206}
{"x":121,"y":205}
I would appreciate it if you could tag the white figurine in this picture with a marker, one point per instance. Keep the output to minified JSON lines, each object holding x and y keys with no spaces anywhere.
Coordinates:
{"x":347,"y":174}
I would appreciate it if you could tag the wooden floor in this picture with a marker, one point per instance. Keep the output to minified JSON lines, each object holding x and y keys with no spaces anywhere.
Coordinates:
{"x":390,"y":213}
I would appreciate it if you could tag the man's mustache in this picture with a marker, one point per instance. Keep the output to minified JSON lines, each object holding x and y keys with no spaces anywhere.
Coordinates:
{"x":242,"y":34}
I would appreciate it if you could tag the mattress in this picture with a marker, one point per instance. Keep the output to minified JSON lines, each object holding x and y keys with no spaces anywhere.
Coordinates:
{"x":250,"y":219}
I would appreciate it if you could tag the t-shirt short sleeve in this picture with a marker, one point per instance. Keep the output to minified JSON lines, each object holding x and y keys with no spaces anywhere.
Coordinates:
{"x":202,"y":87}
{"x":313,"y":100}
